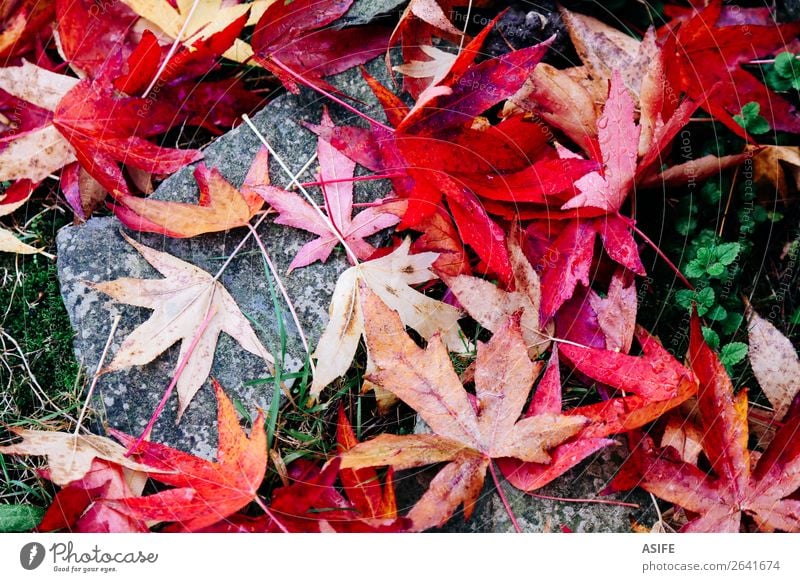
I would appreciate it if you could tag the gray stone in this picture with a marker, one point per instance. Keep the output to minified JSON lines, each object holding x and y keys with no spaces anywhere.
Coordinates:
{"x":366,"y":11}
{"x":95,"y":251}
{"x":537,"y":515}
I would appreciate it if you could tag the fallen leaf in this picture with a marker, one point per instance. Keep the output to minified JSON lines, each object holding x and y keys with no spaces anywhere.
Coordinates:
{"x":38,"y":152}
{"x":310,"y":503}
{"x":24,"y":22}
{"x":36,"y":85}
{"x":560,"y":101}
{"x":466,"y":437}
{"x":649,"y":385}
{"x":439,"y":140}
{"x":774,"y":361}
{"x":390,"y":277}
{"x":11,"y":244}
{"x":616,"y":312}
{"x":568,"y":260}
{"x":434,"y":69}
{"x":362,"y":486}
{"x":296,"y":37}
{"x":180,"y":303}
{"x":221,"y":207}
{"x":80,"y":506}
{"x":683,"y":436}
{"x":111,"y":28}
{"x":69,"y":456}
{"x":89,"y":123}
{"x":418,"y":25}
{"x":12,"y":199}
{"x":604,"y":49}
{"x":35,"y":154}
{"x":204,"y":492}
{"x":778,"y":167}
{"x":547,"y":398}
{"x":491,"y":306}
{"x":618,"y":135}
{"x":738,"y":482}
{"x":207,"y":18}
{"x":723,"y":48}
{"x":294,"y":211}
{"x":701,"y":169}
{"x":469,"y":88}
{"x":83,"y":193}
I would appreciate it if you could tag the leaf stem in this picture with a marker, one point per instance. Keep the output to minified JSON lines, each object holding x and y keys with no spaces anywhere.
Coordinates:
{"x":283,"y":291}
{"x":466,"y":24}
{"x":325,"y":218}
{"x":501,"y":493}
{"x":765,"y":61}
{"x":178,"y":371}
{"x":92,"y":386}
{"x":239,"y":246}
{"x":328,"y":94}
{"x":658,"y":251}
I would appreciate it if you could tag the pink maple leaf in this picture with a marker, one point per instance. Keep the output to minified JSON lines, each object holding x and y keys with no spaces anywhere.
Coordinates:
{"x":336,"y":170}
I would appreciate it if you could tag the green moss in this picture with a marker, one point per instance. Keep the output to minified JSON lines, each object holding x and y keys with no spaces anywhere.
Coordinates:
{"x":34,"y":315}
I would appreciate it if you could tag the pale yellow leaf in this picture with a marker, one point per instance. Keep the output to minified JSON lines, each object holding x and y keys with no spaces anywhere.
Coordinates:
{"x":36,"y":85}
{"x":774,"y":361}
{"x":11,"y":244}
{"x":390,"y":277}
{"x":180,"y":303}
{"x":208,"y":18}
{"x":69,"y":456}
{"x":35,"y":155}
{"x":436,"y":69}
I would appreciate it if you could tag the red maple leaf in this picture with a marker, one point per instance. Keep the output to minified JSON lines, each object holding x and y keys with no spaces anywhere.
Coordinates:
{"x":106,"y":130}
{"x":204,"y":492}
{"x":442,"y":155}
{"x":293,"y":40}
{"x":740,"y":482}
{"x":362,"y":486}
{"x":178,"y":94}
{"x":111,"y":30}
{"x":81,"y":507}
{"x":650,"y":384}
{"x":311,"y":502}
{"x":710,"y":51}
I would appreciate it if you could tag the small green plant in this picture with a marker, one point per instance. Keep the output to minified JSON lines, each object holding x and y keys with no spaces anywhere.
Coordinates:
{"x":784,"y":74}
{"x":730,"y":354}
{"x":712,"y":261}
{"x":751,"y":120}
{"x":712,"y":267}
